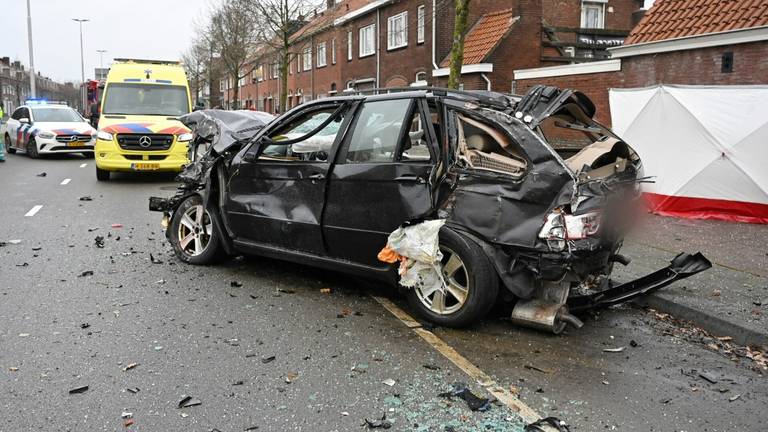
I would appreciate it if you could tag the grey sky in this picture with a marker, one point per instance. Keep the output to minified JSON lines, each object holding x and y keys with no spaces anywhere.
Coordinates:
{"x":155,"y":29}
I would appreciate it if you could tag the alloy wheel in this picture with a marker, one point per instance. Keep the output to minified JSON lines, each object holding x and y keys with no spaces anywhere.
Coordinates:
{"x":454,"y":293}
{"x":195,"y":230}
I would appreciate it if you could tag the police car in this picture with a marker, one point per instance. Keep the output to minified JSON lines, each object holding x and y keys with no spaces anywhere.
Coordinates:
{"x":41,"y":127}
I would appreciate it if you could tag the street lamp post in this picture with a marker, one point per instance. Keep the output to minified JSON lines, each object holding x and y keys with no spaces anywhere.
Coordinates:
{"x":32,"y":83}
{"x":82,"y":61}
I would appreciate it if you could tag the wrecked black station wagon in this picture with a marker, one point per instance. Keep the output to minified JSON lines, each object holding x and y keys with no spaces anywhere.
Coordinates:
{"x":331,"y":182}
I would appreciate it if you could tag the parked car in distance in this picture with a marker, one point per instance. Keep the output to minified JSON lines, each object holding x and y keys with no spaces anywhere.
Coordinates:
{"x":41,"y":127}
{"x":327,"y":182}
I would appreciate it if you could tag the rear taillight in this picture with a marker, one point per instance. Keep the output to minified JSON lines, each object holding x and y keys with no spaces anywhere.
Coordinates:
{"x":582,"y":226}
{"x":560,"y":227}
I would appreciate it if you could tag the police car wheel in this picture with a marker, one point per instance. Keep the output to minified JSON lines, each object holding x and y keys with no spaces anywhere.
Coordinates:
{"x":8,"y":147}
{"x":32,"y":149}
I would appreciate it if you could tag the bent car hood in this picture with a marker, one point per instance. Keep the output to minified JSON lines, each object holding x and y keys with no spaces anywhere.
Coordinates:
{"x":141,"y":124}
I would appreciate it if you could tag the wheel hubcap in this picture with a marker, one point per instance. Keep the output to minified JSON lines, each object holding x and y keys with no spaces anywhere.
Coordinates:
{"x":195,"y":230}
{"x":454,"y":293}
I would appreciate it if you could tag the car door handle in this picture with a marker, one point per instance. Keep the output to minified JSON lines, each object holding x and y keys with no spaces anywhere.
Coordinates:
{"x":318,"y":176}
{"x":411,"y":178}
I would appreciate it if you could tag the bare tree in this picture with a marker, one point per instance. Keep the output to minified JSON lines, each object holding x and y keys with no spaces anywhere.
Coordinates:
{"x":279,"y":19}
{"x":196,"y":60}
{"x":234,"y":32}
{"x":457,"y":49}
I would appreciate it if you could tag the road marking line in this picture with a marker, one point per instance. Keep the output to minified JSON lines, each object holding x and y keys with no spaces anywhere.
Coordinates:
{"x":483,"y":379}
{"x":33,"y":210}
{"x":65,"y":181}
{"x":83,"y":165}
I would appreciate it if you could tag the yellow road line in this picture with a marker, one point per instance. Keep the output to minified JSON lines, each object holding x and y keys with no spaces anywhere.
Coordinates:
{"x":483,"y":379}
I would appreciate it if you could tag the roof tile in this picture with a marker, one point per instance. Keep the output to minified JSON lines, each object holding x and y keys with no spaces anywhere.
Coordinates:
{"x":669,"y":19}
{"x":484,"y":36}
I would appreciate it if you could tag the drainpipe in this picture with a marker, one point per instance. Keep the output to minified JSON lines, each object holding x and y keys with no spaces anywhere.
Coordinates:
{"x":487,"y":81}
{"x":378,"y":49}
{"x":434,"y":49}
{"x":312,"y":54}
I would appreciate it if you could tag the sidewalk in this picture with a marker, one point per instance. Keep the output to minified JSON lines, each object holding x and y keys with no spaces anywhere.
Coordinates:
{"x":731,"y":298}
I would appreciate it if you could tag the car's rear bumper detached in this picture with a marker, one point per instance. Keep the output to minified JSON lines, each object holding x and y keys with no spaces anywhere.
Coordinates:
{"x":681,"y":267}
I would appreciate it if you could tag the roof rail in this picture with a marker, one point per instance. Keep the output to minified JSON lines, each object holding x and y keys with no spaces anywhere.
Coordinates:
{"x":158,"y":62}
{"x":482,"y":96}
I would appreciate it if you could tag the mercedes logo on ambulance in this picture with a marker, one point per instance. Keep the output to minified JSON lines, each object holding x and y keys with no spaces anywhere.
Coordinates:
{"x":145,"y":141}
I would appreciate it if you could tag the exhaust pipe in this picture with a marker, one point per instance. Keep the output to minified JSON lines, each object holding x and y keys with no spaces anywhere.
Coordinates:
{"x":551,"y":317}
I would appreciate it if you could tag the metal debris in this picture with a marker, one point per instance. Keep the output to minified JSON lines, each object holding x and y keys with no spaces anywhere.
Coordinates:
{"x":614,"y":350}
{"x":474,"y":402}
{"x":538,"y":425}
{"x":381,"y":423}
{"x":188,"y":401}
{"x":269,"y":359}
{"x":81,"y":389}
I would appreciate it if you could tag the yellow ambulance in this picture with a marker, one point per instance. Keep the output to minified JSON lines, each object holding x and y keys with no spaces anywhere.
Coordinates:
{"x":138,"y":127}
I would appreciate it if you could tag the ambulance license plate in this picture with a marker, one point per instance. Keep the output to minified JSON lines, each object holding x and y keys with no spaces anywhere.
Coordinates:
{"x":145,"y":166}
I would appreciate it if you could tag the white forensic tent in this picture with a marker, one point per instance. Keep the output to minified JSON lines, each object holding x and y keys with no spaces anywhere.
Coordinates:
{"x":706,"y":146}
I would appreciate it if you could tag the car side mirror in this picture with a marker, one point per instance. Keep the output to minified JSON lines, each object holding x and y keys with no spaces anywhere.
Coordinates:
{"x":249,"y":157}
{"x":24,"y":120}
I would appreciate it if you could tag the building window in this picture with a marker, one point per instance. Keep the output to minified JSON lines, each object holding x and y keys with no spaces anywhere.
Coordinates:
{"x":349,"y":45}
{"x":421,"y":78}
{"x":275,"y":70}
{"x":241,"y":82}
{"x":420,"y":24}
{"x":222,"y":85}
{"x":307,"y":58}
{"x":321,"y":57}
{"x":592,"y":15}
{"x":333,"y":89}
{"x":397,"y":31}
{"x":367,"y":41}
{"x":333,"y":51}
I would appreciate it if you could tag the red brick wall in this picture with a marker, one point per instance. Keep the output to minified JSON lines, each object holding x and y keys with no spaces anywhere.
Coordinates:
{"x":692,"y":67}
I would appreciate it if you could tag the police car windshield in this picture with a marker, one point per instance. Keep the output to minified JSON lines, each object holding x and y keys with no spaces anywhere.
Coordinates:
{"x":145,"y":99}
{"x":56,"y":115}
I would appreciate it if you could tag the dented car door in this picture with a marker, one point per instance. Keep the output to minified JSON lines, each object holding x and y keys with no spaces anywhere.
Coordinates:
{"x":381,"y":178}
{"x":277,"y":186}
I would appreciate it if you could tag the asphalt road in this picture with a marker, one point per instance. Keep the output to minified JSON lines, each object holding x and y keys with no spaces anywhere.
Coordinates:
{"x":260,"y":344}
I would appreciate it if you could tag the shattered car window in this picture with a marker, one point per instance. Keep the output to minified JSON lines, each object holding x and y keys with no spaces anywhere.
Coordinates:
{"x":315,"y":147}
{"x":483,"y":147}
{"x":568,"y":133}
{"x":377,"y":131}
{"x":415,"y":148}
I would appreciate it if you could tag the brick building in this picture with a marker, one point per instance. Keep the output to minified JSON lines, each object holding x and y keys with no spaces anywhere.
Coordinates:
{"x":365,"y":44}
{"x":15,"y":86}
{"x":691,"y":42}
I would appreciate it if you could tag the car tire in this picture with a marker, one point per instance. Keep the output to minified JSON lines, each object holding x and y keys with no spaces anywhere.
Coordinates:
{"x":32,"y":149}
{"x":102,"y":175}
{"x":199,"y":249}
{"x":475,"y":272}
{"x":8,"y":147}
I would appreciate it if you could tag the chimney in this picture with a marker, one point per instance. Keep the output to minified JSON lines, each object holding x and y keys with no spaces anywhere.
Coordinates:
{"x":637,"y":16}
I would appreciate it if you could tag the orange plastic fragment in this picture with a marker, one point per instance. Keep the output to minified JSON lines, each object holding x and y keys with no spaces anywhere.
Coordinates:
{"x":387,"y":255}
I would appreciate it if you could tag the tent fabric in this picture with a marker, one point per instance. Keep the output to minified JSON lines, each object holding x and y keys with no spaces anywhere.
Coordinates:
{"x":705,"y":146}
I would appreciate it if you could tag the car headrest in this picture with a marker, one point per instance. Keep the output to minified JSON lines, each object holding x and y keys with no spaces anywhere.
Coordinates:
{"x":481,"y":142}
